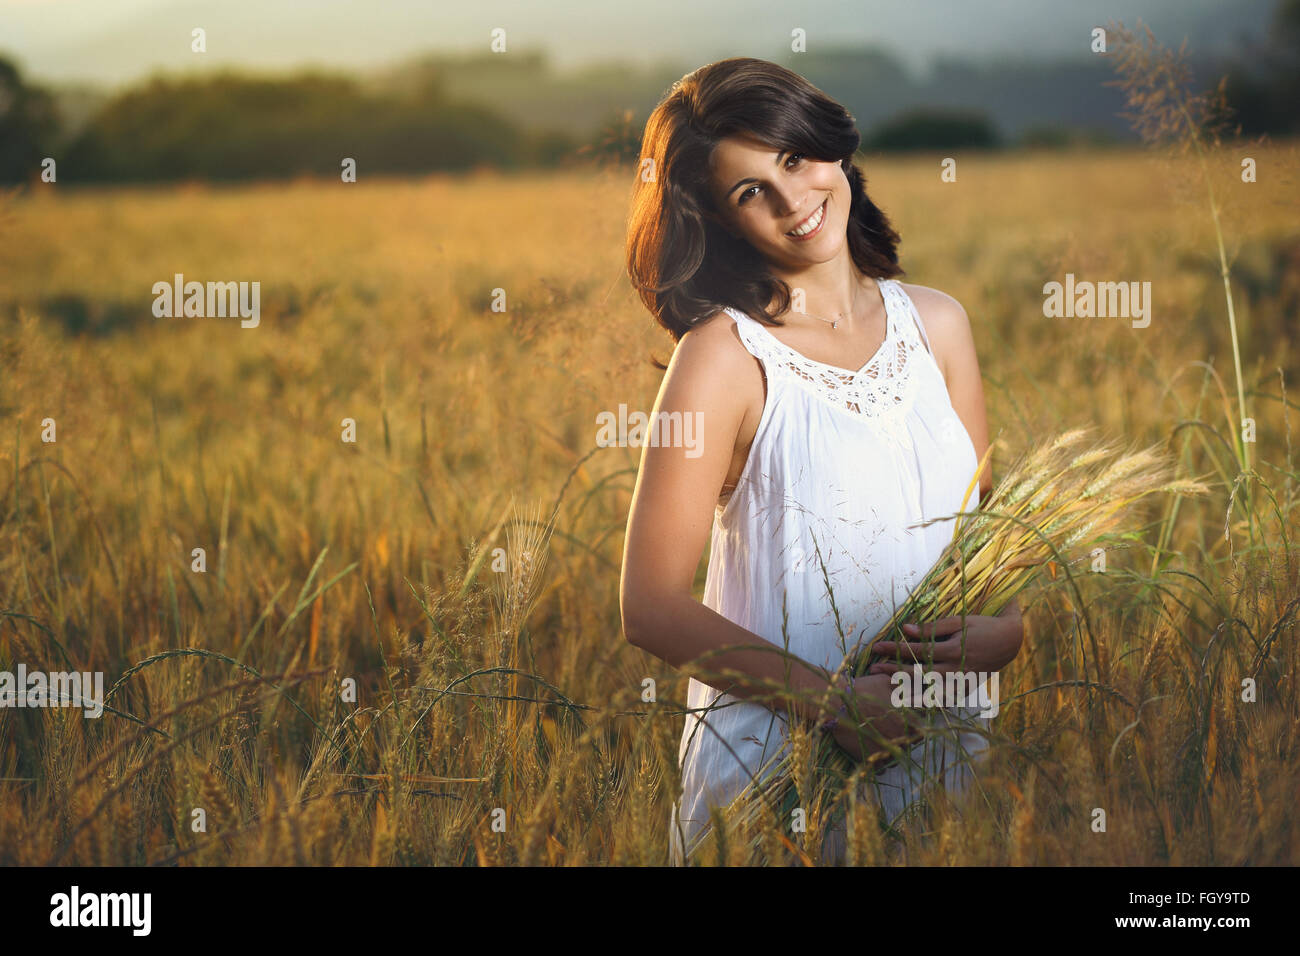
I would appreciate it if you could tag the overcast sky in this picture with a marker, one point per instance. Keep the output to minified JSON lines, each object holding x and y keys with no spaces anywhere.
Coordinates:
{"x":116,"y":41}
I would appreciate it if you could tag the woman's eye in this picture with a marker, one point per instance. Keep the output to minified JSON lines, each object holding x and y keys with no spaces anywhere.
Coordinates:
{"x":745,"y":196}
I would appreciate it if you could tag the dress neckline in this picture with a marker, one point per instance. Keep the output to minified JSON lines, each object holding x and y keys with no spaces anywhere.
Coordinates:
{"x":838,"y":369}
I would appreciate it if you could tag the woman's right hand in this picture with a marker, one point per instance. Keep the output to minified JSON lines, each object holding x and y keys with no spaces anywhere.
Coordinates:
{"x":873,"y":707}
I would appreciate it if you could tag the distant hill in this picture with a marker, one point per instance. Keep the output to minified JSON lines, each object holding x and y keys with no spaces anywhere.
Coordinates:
{"x":872,"y":83}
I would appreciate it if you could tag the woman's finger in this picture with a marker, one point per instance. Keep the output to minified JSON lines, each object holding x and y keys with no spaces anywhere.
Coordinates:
{"x":939,"y":667}
{"x":893,"y":648}
{"x":919,"y":651}
{"x":943,"y":626}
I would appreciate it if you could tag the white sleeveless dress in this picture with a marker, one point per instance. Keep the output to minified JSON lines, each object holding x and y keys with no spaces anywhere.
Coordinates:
{"x":841,"y":464}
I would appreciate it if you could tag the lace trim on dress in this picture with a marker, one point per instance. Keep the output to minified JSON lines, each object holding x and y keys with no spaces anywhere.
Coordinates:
{"x":880,"y":389}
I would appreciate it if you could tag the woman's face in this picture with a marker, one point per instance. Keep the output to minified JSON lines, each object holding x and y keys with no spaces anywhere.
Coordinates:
{"x":767,"y":196}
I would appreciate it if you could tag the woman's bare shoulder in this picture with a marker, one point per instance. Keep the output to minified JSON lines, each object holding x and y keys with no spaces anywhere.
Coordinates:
{"x":712,"y":373}
{"x":941,"y":305}
{"x":712,"y":346}
{"x":946,"y":324}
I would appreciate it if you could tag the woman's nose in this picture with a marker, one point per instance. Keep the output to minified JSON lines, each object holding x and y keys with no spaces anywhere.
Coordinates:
{"x":788,"y":207}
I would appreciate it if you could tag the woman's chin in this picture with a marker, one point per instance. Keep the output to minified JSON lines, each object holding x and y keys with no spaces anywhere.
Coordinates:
{"x":815,"y":252}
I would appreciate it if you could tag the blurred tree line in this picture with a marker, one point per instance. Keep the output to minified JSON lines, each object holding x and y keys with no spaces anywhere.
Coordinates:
{"x":235,"y":126}
{"x":232,"y":126}
{"x":1263,"y":86}
{"x":29,"y":125}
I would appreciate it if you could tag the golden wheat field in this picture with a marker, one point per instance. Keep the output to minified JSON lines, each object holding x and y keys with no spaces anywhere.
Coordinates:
{"x":498,"y":715}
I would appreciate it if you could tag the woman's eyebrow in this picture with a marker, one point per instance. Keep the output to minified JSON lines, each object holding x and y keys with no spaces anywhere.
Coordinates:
{"x":751,"y":179}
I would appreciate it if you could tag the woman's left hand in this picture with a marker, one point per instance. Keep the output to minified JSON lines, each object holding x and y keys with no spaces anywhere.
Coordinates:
{"x":991,"y":643}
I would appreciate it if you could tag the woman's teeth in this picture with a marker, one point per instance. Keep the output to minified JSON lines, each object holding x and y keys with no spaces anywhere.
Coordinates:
{"x":811,"y":223}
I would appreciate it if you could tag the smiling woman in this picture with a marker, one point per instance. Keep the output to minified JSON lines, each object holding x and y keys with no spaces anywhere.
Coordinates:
{"x":829,"y":432}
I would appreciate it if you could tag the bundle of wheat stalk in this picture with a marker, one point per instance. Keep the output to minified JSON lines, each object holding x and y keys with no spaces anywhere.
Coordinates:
{"x":1056,"y":500}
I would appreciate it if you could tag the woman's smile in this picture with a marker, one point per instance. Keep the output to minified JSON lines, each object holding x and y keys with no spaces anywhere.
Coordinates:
{"x":810,"y":226}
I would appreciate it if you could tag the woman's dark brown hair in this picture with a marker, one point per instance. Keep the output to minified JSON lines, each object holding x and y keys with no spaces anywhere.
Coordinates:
{"x":683,"y":263}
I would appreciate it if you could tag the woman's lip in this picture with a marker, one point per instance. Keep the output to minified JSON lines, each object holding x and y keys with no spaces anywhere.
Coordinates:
{"x":822,"y":207}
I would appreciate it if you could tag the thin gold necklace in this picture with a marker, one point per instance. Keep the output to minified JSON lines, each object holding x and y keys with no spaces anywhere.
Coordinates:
{"x":835,"y":324}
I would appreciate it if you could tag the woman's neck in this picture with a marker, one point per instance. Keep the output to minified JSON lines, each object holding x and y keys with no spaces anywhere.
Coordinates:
{"x":831,"y":289}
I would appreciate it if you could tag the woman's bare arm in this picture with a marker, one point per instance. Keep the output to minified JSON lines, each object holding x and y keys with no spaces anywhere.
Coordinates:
{"x":713,"y":378}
